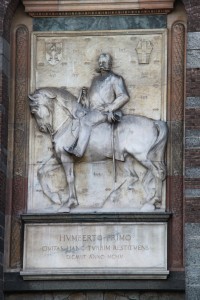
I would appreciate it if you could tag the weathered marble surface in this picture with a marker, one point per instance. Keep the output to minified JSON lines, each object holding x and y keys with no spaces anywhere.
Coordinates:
{"x":100,"y":23}
{"x":124,"y":249}
{"x":73,"y":68}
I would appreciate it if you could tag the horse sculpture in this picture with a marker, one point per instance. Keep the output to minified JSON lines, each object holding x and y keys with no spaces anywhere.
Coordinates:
{"x":57,"y":112}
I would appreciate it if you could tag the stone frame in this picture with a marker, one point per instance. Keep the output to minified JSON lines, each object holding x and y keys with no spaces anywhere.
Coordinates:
{"x":35,"y":195}
{"x":18,"y":188}
{"x":32,"y":221}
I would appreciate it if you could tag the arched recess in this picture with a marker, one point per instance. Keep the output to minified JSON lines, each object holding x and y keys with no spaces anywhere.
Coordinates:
{"x":7,"y":9}
{"x":177,"y":32}
{"x":19,"y":123}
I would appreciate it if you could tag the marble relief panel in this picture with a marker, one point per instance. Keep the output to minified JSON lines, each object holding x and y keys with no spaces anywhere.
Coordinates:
{"x":69,"y":60}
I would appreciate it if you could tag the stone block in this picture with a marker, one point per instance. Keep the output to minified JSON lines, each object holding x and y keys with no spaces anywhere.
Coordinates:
{"x":192,"y":231}
{"x":193,"y":102}
{"x":193,"y":276}
{"x":192,"y":172}
{"x":192,"y":193}
{"x":192,"y":245}
{"x":193,"y":142}
{"x":193,"y":59}
{"x":192,"y":138}
{"x":192,"y":292}
{"x":193,"y":41}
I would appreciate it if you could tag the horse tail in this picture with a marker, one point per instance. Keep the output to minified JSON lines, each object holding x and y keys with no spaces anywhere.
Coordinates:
{"x":157,"y":151}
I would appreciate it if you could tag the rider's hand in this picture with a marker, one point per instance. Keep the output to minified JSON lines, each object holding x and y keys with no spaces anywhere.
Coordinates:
{"x":108,"y":109}
{"x":110,"y":117}
{"x":84,"y":91}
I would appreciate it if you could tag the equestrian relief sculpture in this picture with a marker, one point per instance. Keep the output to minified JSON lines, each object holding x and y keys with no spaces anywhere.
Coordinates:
{"x":92,"y":128}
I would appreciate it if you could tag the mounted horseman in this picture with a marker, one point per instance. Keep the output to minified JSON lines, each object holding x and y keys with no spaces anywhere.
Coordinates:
{"x":103,"y":100}
{"x":85,"y":126}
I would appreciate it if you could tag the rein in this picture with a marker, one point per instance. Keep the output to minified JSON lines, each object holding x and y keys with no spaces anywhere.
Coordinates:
{"x":70,"y":115}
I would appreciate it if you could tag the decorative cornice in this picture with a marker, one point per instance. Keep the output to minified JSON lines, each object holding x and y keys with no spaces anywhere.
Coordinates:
{"x":56,"y":8}
{"x":29,"y":218}
{"x":100,"y":13}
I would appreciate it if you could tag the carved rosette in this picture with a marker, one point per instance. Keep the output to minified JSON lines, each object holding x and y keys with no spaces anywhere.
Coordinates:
{"x":176,"y":150}
{"x":20,"y":157}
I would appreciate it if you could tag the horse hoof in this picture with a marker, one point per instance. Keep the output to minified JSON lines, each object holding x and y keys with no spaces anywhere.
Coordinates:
{"x":72,"y":203}
{"x":147,"y":207}
{"x":55,"y":198}
{"x":157,"y":203}
{"x":64,"y":209}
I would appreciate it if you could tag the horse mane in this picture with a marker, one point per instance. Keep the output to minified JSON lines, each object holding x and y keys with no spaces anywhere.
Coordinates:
{"x":64,"y":94}
{"x":61,"y":96}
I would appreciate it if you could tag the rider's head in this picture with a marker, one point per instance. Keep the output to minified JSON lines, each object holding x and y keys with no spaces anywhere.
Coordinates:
{"x":105,"y":62}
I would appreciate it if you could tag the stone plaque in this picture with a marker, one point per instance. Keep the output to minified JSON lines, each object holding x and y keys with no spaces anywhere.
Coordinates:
{"x":66,"y":62}
{"x":102,"y":250}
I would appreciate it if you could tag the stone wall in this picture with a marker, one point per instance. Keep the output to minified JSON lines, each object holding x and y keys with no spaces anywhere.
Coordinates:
{"x":192,"y":152}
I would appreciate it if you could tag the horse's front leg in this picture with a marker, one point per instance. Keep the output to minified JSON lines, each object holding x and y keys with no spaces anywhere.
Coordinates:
{"x":68,"y":166}
{"x":42,"y":172}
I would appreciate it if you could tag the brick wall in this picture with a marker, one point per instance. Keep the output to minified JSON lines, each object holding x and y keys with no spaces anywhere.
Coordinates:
{"x":192,"y":152}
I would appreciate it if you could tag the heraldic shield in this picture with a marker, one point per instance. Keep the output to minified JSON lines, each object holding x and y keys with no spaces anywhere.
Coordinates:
{"x":53,"y":53}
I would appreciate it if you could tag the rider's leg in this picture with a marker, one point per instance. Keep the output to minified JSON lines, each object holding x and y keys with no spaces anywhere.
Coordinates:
{"x":84,"y":135}
{"x":91,"y":119}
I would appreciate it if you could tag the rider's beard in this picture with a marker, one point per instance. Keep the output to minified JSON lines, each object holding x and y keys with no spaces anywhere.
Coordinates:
{"x":99,"y":69}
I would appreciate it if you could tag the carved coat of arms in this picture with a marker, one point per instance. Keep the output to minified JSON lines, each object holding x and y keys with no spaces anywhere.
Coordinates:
{"x":53,"y":53}
{"x":144,"y":49}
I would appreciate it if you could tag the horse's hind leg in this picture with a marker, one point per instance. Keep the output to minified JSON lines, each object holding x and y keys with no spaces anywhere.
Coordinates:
{"x":132,"y":175}
{"x":153,"y":173}
{"x":148,"y":182}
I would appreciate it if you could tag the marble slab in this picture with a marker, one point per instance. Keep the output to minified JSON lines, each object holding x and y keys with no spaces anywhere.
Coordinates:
{"x":100,"y":23}
{"x":73,"y":67}
{"x":76,"y":250}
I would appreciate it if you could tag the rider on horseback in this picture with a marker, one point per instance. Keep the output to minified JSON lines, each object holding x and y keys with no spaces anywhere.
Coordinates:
{"x":106,"y":95}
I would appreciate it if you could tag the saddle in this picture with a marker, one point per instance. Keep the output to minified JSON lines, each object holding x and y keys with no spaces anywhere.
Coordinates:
{"x":69,"y":130}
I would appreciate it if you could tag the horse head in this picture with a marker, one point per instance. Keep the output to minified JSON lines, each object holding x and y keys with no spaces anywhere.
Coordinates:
{"x":42,"y":105}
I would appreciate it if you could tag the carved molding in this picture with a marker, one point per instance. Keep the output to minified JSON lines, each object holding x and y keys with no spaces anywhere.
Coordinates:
{"x":178,"y":44}
{"x":76,"y":7}
{"x":19,"y":186}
